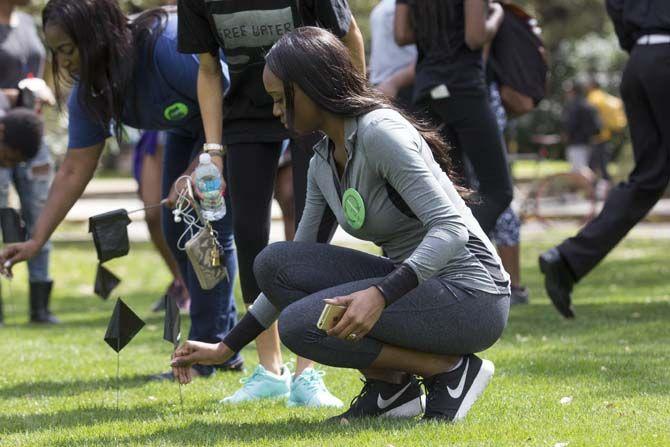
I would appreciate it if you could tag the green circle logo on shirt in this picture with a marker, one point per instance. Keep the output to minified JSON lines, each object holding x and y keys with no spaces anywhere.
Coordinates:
{"x":354,"y":208}
{"x":176,"y":111}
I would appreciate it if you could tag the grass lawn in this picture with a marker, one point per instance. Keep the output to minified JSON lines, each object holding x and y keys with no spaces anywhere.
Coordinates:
{"x":57,"y":387}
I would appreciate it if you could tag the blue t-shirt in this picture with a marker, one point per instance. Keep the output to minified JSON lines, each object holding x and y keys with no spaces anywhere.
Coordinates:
{"x":162,"y":95}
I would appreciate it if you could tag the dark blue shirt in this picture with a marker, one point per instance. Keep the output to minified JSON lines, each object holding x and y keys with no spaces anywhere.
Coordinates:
{"x":162,"y":95}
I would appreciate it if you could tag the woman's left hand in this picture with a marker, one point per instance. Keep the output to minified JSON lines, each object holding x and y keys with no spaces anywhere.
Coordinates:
{"x":363,"y":311}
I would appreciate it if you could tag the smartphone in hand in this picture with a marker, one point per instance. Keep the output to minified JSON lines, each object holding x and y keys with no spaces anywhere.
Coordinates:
{"x":330,"y":316}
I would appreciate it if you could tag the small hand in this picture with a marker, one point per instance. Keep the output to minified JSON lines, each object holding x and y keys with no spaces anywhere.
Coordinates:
{"x":176,"y":190}
{"x":196,"y":352}
{"x":363,"y":311}
{"x":15,"y":253}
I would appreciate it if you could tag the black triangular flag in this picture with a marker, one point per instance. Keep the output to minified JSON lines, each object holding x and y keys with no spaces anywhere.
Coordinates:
{"x":172,"y":323}
{"x":110,"y":234}
{"x":105,"y":282}
{"x":13,"y":228}
{"x":123,"y":326}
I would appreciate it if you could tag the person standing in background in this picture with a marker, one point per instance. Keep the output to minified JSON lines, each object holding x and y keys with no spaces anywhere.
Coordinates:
{"x":643,"y":29}
{"x":22,"y":56}
{"x":580,"y":127}
{"x":613,"y":119}
{"x":450,"y":82}
{"x":506,"y":235}
{"x":391,"y":66}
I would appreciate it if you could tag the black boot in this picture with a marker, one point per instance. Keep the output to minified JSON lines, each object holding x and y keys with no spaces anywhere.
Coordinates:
{"x":40,"y":293}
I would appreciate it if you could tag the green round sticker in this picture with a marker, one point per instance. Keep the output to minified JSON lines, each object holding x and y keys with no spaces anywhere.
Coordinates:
{"x":176,"y":111}
{"x":354,"y":208}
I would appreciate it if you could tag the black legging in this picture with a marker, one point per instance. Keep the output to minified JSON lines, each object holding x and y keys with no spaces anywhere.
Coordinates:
{"x":471,"y":128}
{"x":439,"y":316}
{"x":251,"y":170}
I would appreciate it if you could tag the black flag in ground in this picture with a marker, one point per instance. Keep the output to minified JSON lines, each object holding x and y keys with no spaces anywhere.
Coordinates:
{"x":123,"y":326}
{"x":13,"y":228}
{"x":172,"y":329}
{"x":110,"y":234}
{"x":172,"y":323}
{"x":105,"y":282}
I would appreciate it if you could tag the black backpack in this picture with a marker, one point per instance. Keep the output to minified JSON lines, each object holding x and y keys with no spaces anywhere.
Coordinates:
{"x":518,"y":61}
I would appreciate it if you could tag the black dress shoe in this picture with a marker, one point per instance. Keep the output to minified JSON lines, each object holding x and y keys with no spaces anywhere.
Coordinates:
{"x":558,"y":281}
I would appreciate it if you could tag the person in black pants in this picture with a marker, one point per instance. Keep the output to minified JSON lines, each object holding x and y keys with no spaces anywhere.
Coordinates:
{"x":450,"y":83}
{"x":643,"y":28}
{"x":251,"y":137}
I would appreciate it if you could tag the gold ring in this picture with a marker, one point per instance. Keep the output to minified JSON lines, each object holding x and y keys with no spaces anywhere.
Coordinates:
{"x":352,"y":337}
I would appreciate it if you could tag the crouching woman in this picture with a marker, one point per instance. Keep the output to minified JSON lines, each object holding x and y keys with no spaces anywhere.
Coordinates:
{"x":440,"y":295}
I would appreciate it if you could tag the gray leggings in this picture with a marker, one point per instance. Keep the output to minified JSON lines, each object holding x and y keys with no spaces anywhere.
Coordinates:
{"x":437,"y":317}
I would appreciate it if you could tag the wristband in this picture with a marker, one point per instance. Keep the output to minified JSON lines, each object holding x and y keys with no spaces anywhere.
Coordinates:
{"x":243,"y":333}
{"x":397,"y":283}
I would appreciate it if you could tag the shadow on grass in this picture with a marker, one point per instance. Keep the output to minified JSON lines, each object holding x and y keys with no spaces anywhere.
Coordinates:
{"x":85,"y":416}
{"x":210,"y":433}
{"x":48,"y":388}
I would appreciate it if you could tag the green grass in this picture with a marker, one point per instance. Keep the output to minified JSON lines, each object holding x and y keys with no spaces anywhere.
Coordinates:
{"x":57,"y":384}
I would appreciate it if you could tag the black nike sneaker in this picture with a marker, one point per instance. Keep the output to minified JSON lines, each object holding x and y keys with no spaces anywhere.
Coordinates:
{"x":452,"y":394}
{"x":385,"y":399}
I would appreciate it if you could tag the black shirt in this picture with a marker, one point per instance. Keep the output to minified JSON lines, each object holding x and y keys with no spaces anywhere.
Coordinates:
{"x":581,"y":122}
{"x":636,"y":18}
{"x":246,"y":30}
{"x":443,"y":56}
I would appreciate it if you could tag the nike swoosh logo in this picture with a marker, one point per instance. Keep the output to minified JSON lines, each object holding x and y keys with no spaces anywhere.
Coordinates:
{"x":456,"y":393}
{"x":384,"y":403}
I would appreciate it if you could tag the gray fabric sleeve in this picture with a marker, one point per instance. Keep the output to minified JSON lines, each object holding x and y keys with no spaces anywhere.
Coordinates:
{"x":264,"y":311}
{"x":394,"y":151}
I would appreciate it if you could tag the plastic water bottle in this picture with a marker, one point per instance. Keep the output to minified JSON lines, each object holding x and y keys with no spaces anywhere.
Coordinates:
{"x":208,"y":181}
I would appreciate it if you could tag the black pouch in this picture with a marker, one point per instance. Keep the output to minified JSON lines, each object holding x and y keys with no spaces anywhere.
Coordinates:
{"x":110,"y":234}
{"x":13,"y":228}
{"x":105,"y":282}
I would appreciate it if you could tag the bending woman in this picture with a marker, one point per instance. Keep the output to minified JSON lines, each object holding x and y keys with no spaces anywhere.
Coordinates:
{"x":441,"y":295}
{"x":130,"y":73}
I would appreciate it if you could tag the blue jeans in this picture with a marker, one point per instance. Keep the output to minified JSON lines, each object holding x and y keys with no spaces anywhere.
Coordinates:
{"x":213,"y":312}
{"x":33,"y":189}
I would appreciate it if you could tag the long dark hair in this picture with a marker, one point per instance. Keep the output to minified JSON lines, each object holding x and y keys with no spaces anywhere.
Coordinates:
{"x":317,"y":62}
{"x":107,"y":43}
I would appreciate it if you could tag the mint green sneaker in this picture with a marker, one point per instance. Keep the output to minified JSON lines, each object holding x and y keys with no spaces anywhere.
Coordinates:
{"x":262,"y":384}
{"x":308,"y":390}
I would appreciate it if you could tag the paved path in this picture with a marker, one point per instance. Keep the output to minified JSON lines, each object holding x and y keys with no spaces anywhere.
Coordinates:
{"x":107,"y":194}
